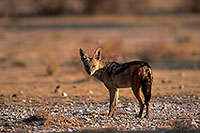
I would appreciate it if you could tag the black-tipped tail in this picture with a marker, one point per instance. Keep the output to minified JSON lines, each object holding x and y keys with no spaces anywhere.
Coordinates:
{"x":147,"y":81}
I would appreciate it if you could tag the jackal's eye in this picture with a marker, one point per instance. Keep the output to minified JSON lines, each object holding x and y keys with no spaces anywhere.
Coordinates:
{"x":93,"y":66}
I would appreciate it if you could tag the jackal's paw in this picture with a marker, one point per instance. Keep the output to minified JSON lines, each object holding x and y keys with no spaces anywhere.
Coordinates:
{"x":111,"y":115}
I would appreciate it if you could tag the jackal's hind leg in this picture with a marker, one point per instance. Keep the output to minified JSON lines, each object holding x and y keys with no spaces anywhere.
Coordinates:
{"x":114,"y":93}
{"x":147,"y":96}
{"x":147,"y":110}
{"x":137,"y":91}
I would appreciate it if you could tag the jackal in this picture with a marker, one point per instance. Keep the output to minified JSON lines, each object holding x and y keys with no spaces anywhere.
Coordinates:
{"x":135,"y":74}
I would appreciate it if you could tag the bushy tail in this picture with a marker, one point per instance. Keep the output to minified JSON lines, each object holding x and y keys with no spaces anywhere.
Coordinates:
{"x":147,"y":80}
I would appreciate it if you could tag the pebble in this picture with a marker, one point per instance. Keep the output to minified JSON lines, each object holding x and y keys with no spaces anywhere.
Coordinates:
{"x":181,"y":87}
{"x":57,"y":89}
{"x":64,"y":94}
{"x":128,"y":109}
{"x":193,"y":122}
{"x":90,"y":92}
{"x":166,"y":113}
{"x":21,"y":92}
{"x":70,"y":130}
{"x":14,"y":95}
{"x":23,"y":100}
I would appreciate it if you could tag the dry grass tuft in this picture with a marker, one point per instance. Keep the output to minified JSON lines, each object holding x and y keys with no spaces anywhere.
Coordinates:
{"x":51,"y":67}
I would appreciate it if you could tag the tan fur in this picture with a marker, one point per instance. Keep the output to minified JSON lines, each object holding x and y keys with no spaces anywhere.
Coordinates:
{"x":136,"y":74}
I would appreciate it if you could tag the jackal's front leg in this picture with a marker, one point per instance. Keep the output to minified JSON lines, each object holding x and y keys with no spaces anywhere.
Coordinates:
{"x":114,"y":93}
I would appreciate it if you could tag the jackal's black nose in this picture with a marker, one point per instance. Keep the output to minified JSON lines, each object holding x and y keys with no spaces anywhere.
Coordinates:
{"x":88,"y":72}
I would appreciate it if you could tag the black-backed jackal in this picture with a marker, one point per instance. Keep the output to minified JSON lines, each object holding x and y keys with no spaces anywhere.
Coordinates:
{"x":135,"y":74}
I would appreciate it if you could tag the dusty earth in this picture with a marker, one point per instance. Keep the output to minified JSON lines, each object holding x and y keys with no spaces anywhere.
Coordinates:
{"x":38,"y":55}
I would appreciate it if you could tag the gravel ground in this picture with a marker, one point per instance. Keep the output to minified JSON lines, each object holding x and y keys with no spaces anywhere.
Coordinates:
{"x":167,"y":113}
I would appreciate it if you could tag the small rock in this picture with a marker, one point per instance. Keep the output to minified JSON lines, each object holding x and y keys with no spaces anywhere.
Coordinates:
{"x":87,"y":110}
{"x":14,"y":95}
{"x":181,"y":87}
{"x":23,"y":100}
{"x":64,"y":94}
{"x":70,"y":130}
{"x":57,"y":89}
{"x":39,"y":96}
{"x":128,"y":109}
{"x":166,"y":81}
{"x":90,"y":92}
{"x":129,"y":104}
{"x":163,"y":81}
{"x":87,"y":119}
{"x":133,"y":128}
{"x":21,"y":92}
{"x":193,"y":122}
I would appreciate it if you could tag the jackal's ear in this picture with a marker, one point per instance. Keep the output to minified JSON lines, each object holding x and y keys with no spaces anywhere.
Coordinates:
{"x":98,"y":54}
{"x":83,"y":55}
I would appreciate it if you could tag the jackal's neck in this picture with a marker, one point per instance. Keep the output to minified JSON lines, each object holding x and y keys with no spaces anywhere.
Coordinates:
{"x":99,"y":74}
{"x":102,"y":64}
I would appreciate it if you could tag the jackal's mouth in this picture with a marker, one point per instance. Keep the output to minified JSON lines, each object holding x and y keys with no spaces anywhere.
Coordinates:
{"x":89,"y":73}
{"x":92,"y":73}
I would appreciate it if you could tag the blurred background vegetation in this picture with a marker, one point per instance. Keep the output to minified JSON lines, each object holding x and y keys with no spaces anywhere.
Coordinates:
{"x":152,"y":30}
{"x":21,"y":8}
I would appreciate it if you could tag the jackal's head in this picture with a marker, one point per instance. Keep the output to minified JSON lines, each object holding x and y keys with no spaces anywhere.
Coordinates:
{"x":91,"y":64}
